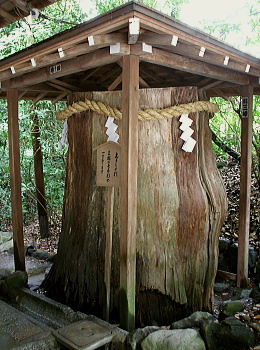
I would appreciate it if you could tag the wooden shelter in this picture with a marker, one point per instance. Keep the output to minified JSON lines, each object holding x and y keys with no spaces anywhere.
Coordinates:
{"x":130,"y":48}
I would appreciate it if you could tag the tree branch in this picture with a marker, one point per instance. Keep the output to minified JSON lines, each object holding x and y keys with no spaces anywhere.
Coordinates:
{"x":225,"y":147}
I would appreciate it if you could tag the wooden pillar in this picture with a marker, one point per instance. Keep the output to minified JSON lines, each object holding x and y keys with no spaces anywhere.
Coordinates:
{"x":245,"y":185}
{"x":15,"y":179}
{"x":39,"y":177}
{"x":129,"y":156}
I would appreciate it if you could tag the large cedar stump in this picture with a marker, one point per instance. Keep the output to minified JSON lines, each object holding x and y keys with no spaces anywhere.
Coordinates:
{"x":181,"y":208}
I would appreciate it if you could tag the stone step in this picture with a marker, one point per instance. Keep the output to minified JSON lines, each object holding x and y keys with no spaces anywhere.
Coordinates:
{"x":60,"y":324}
{"x":19,"y":331}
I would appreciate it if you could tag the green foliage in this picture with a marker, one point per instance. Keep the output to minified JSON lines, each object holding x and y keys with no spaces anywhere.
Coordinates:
{"x":54,"y":19}
{"x":5,"y":209}
{"x":226,"y":124}
{"x":54,"y":161}
{"x":220,"y":29}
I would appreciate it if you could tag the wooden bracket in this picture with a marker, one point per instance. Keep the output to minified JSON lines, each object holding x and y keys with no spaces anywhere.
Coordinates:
{"x":141,"y":49}
{"x":134,"y":30}
{"x":120,"y":49}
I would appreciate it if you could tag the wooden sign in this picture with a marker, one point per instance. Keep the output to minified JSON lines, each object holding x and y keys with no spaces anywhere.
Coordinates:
{"x":108,"y":164}
{"x":244,"y":107}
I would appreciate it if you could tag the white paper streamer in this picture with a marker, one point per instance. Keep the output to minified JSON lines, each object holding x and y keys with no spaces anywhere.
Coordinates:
{"x":111,"y":130}
{"x":189,"y":143}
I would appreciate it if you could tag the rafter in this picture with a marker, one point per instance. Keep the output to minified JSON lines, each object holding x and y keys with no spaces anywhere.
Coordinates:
{"x":148,"y":73}
{"x":7,"y":16}
{"x":22,"y":5}
{"x":59,"y":98}
{"x":93,"y":71}
{"x":39,"y":97}
{"x":115,"y":83}
{"x":61,"y":85}
{"x":110,"y":73}
{"x":143,"y":83}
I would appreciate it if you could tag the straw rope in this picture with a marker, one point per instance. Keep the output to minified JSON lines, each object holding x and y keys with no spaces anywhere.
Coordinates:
{"x":148,"y":114}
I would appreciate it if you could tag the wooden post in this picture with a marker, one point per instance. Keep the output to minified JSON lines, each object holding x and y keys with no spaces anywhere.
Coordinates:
{"x":129,"y":156}
{"x":245,"y":185}
{"x":39,"y":177}
{"x":15,"y":179}
{"x":108,"y":251}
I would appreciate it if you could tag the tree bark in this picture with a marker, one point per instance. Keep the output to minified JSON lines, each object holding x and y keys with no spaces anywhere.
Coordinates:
{"x":181,"y":206}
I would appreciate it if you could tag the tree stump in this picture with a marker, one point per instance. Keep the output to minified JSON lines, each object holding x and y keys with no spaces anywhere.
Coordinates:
{"x":181,"y":208}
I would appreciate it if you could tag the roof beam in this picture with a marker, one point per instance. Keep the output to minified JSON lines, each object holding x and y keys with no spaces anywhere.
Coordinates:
{"x":193,"y":51}
{"x":78,"y":64}
{"x":108,"y":39}
{"x":195,"y":67}
{"x":7,"y":16}
{"x":53,"y":58}
{"x":22,"y":5}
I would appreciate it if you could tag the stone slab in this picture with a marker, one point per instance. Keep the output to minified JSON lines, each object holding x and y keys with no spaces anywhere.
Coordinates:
{"x":17,"y":329}
{"x":83,"y":335}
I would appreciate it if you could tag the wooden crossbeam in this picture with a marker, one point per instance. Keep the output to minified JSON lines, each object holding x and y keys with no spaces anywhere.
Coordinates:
{"x":195,"y":67}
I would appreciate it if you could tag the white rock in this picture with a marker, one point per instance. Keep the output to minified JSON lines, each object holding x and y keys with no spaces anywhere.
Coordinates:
{"x":176,"y":339}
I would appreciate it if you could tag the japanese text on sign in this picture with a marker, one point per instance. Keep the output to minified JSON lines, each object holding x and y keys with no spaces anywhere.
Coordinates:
{"x":244,"y":107}
{"x":108,"y":164}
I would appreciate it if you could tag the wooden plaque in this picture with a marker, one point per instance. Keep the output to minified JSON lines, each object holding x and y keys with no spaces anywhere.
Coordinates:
{"x":108,"y":164}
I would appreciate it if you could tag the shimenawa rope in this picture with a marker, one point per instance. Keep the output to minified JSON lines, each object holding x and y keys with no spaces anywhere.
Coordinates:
{"x":148,"y":114}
